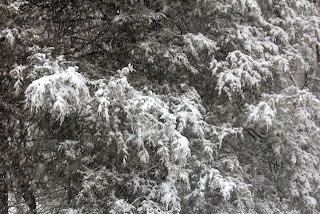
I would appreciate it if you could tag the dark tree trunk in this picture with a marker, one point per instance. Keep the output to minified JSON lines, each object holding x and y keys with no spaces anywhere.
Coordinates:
{"x":4,"y":208}
{"x":27,"y":192}
{"x":30,"y":200}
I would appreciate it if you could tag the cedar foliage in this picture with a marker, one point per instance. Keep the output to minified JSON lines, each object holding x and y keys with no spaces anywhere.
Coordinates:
{"x":159,"y":106}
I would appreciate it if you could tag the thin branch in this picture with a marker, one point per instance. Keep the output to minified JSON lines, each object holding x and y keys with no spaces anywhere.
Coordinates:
{"x":295,"y":84}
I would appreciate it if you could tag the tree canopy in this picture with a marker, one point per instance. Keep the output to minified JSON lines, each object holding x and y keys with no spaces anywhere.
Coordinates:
{"x":159,"y":106}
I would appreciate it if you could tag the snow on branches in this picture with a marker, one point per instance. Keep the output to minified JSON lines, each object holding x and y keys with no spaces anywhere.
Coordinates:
{"x":61,"y":93}
{"x":289,"y":120}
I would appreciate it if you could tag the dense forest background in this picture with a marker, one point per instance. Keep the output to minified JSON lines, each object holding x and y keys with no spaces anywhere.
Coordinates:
{"x":159,"y":106}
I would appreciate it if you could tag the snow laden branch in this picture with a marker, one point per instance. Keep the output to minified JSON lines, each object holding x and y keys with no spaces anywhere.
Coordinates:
{"x":60,"y":94}
{"x":289,"y":121}
{"x":147,"y":141}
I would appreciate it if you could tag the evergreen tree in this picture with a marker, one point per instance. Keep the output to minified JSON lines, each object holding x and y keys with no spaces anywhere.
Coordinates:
{"x":159,"y":106}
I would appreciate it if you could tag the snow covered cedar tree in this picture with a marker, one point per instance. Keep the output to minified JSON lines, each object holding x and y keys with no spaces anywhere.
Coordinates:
{"x":194,"y":106}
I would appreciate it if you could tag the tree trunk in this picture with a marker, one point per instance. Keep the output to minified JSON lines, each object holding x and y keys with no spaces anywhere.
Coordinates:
{"x":30,"y":200}
{"x":19,"y":201}
{"x":27,"y":193}
{"x":23,"y":184}
{"x":4,"y":208}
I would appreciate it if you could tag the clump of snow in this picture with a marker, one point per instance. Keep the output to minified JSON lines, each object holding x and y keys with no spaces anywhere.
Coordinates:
{"x":262,"y":113}
{"x":60,"y":93}
{"x":239,"y":71}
